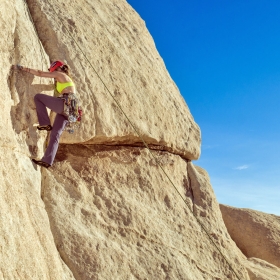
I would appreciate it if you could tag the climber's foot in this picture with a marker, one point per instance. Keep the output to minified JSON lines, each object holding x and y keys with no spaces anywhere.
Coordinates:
{"x":41,"y":163}
{"x":44,"y":127}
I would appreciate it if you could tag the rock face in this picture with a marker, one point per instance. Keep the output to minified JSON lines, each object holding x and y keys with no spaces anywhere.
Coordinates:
{"x":261,"y":270}
{"x":113,"y":38}
{"x":105,"y":210}
{"x":27,"y":248}
{"x":257,"y":234}
{"x":129,"y":223}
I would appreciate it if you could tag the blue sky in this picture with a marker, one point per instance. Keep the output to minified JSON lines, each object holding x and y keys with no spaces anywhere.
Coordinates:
{"x":224,"y":57}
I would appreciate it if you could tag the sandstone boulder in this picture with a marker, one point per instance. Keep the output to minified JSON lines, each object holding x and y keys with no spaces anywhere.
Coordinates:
{"x":262,"y":270}
{"x":104,"y":211}
{"x":114,"y":215}
{"x":257,"y":234}
{"x":117,"y":44}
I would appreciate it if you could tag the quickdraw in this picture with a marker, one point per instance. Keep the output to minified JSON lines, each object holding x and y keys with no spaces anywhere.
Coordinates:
{"x":72,"y":110}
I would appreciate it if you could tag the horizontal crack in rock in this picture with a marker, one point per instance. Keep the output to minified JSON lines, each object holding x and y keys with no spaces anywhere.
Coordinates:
{"x":85,"y":150}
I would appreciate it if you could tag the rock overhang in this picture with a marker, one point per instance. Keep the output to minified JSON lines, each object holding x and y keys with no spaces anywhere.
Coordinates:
{"x":115,"y":60}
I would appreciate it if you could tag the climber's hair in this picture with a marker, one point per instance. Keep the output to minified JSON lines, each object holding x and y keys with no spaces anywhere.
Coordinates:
{"x":65,"y":69}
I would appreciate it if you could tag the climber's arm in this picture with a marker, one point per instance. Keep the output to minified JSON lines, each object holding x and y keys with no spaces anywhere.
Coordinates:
{"x":39,"y":73}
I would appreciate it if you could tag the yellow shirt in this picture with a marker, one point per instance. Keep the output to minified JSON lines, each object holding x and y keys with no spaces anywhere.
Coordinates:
{"x":61,"y":86}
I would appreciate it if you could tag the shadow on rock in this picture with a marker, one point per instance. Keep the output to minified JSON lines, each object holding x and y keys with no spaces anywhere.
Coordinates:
{"x":23,"y":113}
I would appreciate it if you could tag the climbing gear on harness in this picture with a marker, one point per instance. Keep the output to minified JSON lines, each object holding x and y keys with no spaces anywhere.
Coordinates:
{"x":44,"y":127}
{"x":55,"y":65}
{"x":41,"y":163}
{"x":72,"y":110}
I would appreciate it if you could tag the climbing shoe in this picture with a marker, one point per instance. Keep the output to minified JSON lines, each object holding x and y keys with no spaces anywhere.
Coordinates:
{"x":44,"y":127}
{"x":41,"y":163}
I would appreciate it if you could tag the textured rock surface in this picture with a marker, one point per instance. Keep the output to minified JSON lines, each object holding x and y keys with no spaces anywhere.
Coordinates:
{"x":106,"y":210}
{"x":262,"y":270}
{"x":27,"y":248}
{"x":257,"y":234}
{"x":129,"y":222}
{"x":116,"y":42}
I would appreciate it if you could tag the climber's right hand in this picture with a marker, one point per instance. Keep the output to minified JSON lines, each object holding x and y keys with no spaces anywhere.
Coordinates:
{"x":19,"y":67}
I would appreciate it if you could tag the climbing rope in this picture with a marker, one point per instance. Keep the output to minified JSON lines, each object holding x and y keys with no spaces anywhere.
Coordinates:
{"x":142,"y":139}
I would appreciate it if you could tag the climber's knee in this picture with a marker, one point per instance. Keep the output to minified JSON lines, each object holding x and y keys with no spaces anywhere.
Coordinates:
{"x":37,"y":97}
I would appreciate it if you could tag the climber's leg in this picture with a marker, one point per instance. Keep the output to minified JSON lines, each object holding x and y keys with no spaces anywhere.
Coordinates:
{"x":43,"y":102}
{"x":58,"y":126}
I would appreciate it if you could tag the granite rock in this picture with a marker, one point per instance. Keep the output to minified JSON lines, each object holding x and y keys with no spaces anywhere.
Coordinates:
{"x":257,"y":234}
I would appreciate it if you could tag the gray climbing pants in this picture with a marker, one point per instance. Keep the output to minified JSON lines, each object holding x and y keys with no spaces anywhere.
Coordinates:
{"x":43,"y":102}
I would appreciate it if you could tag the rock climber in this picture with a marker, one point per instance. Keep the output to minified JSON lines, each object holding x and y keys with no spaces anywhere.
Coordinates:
{"x":64,"y":86}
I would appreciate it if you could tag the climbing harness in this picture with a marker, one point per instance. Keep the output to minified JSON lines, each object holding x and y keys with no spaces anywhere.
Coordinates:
{"x":146,"y":145}
{"x":72,"y":111}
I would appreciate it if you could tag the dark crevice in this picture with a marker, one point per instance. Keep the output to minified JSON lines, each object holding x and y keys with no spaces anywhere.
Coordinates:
{"x":190,"y":193}
{"x":76,"y":149}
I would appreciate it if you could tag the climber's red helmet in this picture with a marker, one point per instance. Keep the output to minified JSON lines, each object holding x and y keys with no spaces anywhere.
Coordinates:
{"x":55,"y":65}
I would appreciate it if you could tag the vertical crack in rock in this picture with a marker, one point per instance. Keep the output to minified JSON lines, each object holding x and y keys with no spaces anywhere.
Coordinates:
{"x":31,"y":17}
{"x":12,"y":76}
{"x":189,"y":186}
